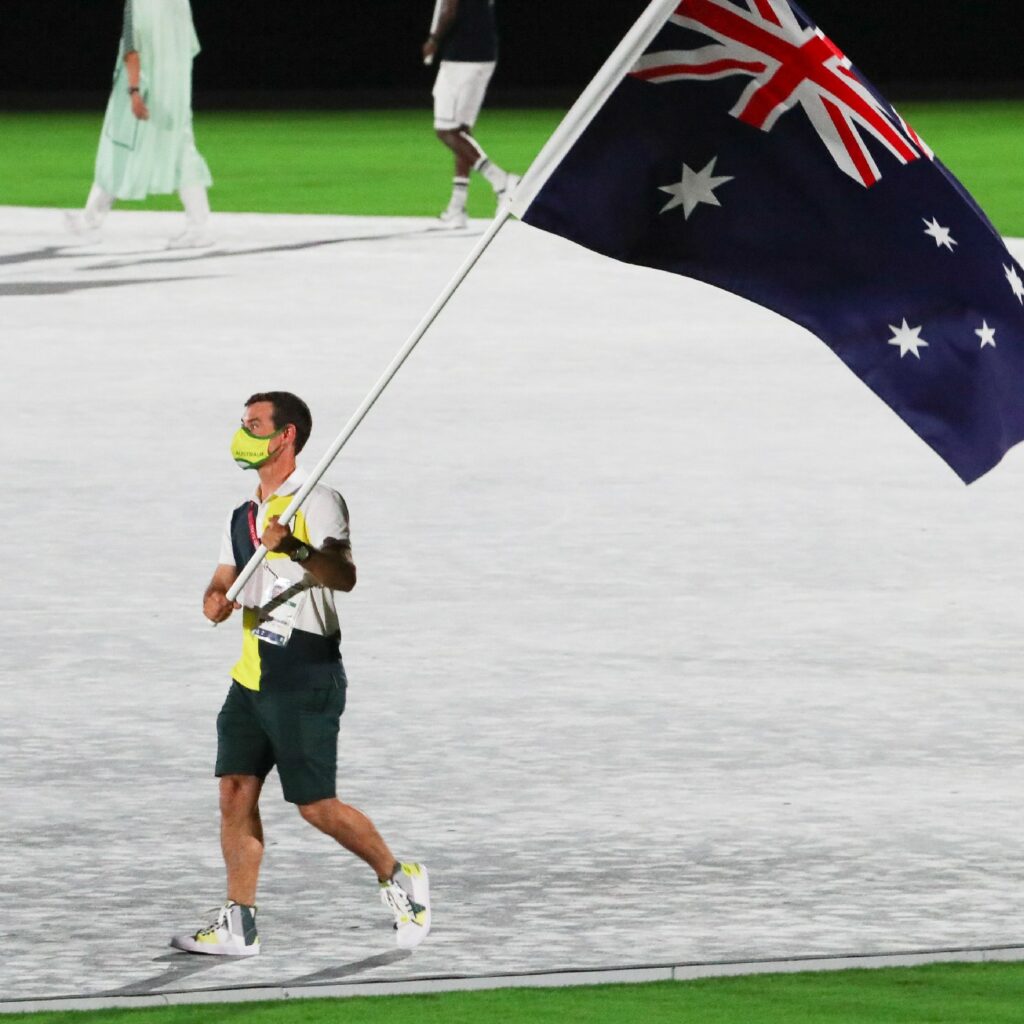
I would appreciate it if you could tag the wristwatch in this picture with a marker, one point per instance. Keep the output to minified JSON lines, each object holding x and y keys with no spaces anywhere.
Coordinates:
{"x":300,"y":554}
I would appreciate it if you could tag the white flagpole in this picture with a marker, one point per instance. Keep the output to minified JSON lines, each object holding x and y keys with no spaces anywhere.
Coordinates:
{"x":367,"y":404}
{"x":582,"y":112}
{"x":571,"y":127}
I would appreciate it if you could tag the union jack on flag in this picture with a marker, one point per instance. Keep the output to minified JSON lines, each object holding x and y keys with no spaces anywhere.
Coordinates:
{"x":738,"y":145}
{"x":790,"y":64}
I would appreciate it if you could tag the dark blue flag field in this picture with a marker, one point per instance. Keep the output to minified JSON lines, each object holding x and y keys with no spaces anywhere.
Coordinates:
{"x":745,"y":150}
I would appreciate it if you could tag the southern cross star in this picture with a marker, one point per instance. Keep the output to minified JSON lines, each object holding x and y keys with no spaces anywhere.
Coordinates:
{"x":940,"y":234}
{"x":908,"y":338}
{"x":696,"y":187}
{"x":1015,"y":283}
{"x":987,"y":334}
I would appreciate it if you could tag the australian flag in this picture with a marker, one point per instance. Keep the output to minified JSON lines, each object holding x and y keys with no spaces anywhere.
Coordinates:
{"x":744,"y":149}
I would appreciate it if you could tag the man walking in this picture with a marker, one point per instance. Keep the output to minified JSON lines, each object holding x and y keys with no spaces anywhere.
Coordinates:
{"x":288,"y":688}
{"x":464,"y":37}
{"x":146,"y":145}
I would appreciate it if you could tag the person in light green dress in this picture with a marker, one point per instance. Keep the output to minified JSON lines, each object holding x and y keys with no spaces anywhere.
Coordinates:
{"x":146,"y":145}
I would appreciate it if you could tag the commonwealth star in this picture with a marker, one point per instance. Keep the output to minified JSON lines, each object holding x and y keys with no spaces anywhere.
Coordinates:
{"x":696,"y":187}
{"x":907,"y":338}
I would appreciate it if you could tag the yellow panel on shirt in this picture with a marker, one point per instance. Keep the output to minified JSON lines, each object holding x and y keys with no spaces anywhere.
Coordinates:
{"x":247,"y":670}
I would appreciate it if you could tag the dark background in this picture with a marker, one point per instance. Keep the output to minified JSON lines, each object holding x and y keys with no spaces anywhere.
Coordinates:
{"x":296,"y":53}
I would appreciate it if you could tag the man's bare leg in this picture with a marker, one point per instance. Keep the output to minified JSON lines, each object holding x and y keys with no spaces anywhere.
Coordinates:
{"x":352,"y":829}
{"x":404,"y":888}
{"x":464,"y":148}
{"x":469,"y":156}
{"x":241,"y":835}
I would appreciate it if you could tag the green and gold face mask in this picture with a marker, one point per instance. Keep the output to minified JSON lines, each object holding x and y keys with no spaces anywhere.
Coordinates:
{"x":249,"y":450}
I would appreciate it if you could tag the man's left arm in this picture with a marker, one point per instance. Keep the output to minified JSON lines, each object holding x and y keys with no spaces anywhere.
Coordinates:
{"x":330,"y":564}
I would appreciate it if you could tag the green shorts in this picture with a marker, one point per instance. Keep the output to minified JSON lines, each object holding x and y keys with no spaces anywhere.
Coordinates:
{"x":295,"y":729}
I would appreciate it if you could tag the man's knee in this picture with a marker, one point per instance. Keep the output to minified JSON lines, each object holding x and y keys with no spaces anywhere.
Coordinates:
{"x":320,"y":813}
{"x":452,"y":137}
{"x":239,"y":795}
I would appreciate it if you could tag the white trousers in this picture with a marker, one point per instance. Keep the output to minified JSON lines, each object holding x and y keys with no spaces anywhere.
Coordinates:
{"x":193,"y":198}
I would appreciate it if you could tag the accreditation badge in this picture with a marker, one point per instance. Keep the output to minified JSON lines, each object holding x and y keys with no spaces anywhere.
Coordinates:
{"x":281,"y":602}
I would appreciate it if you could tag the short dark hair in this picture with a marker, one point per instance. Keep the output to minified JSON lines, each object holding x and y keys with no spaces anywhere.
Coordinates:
{"x":288,"y":408}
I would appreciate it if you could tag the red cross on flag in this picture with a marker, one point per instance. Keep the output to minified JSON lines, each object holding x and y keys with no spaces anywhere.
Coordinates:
{"x":789,"y":65}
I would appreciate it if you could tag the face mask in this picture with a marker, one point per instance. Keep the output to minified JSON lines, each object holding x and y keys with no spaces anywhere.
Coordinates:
{"x":250,"y":450}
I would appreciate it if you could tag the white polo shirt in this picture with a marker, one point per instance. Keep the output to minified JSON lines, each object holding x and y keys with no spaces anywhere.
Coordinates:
{"x":322,"y":517}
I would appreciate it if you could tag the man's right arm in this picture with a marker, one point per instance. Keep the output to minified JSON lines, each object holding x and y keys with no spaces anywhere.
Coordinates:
{"x":446,"y":18}
{"x":216,"y":606}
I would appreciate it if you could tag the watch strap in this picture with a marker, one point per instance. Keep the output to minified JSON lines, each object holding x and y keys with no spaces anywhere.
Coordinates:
{"x":301,"y":553}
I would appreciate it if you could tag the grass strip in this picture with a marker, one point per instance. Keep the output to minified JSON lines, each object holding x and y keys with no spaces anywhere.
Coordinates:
{"x":359,"y":163}
{"x":389,"y":163}
{"x":936,"y":994}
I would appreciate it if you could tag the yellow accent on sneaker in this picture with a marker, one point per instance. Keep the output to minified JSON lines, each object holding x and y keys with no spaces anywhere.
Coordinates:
{"x":412,"y":870}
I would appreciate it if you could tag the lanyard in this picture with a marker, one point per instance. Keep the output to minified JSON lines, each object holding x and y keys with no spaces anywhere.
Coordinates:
{"x":255,"y":537}
{"x":252,"y":525}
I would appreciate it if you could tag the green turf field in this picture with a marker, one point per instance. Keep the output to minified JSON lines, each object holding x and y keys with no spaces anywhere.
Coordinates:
{"x":937,"y":994}
{"x":390,"y":163}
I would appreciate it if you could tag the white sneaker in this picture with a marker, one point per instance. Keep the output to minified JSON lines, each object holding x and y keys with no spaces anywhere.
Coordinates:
{"x":505,"y":194}
{"x":407,"y":895}
{"x":85,"y":231}
{"x":232,"y":934}
{"x":453,"y":219}
{"x":191,"y":238}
